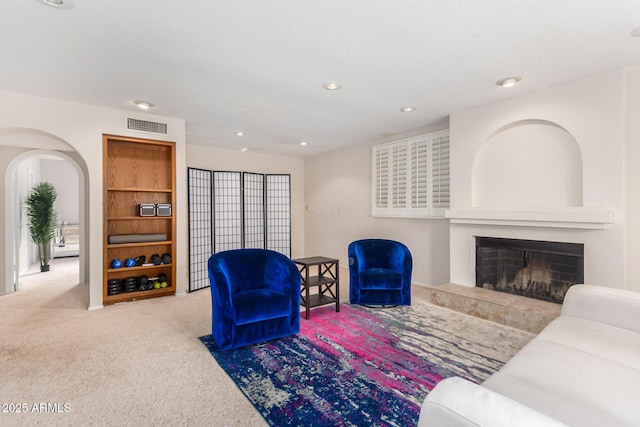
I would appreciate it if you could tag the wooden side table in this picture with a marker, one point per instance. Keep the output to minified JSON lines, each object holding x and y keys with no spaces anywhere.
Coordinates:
{"x":327,"y":281}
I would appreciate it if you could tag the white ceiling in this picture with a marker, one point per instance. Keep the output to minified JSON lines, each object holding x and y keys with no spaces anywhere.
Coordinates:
{"x":259,"y":66}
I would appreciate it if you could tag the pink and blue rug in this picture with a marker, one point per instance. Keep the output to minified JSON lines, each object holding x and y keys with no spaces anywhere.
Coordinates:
{"x":363,"y":366}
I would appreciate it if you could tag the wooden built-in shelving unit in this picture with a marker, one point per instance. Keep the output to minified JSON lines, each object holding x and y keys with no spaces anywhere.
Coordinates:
{"x":138,"y":171}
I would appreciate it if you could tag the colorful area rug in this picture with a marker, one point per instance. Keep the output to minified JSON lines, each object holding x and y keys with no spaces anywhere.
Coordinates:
{"x":364,"y":366}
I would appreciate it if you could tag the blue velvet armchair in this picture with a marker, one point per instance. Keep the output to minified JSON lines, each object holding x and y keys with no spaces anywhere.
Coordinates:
{"x":379,"y":272}
{"x":255,"y":297}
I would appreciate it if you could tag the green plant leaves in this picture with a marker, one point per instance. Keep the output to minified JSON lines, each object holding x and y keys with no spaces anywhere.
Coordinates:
{"x":41,"y":217}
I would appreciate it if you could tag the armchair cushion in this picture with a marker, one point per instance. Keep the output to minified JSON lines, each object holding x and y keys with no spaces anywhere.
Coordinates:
{"x":380,"y":278}
{"x":260,"y":304}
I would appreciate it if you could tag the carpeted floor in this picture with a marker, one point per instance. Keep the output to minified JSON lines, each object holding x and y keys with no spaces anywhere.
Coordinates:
{"x":364,"y":366}
{"x":138,"y":363}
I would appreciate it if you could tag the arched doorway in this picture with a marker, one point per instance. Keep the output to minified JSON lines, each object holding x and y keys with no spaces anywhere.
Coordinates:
{"x":11,"y":201}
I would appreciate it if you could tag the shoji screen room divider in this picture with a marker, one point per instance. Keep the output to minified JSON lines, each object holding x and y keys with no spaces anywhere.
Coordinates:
{"x":234,"y":210}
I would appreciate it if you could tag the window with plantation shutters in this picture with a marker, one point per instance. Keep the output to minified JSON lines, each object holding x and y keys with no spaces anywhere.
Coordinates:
{"x":411,"y":177}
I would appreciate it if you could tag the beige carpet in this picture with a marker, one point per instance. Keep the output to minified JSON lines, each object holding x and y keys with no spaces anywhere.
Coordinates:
{"x":138,"y":363}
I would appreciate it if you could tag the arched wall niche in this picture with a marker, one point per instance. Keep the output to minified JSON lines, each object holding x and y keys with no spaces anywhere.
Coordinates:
{"x":528,"y":164}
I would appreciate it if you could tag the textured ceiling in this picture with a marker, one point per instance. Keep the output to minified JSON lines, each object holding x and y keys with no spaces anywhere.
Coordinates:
{"x":259,"y":66}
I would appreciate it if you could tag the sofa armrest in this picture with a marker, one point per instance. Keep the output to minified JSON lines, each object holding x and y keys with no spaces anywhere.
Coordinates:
{"x":456,"y":402}
{"x":611,"y":306}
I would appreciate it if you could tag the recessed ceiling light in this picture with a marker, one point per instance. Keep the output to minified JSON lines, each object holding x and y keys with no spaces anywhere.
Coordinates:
{"x":54,"y":2}
{"x":636,"y":32}
{"x":408,"y":109}
{"x":509,"y":81}
{"x":243,"y":149}
{"x":332,"y":86}
{"x":239,"y":133}
{"x":143,"y":104}
{"x":303,"y":142}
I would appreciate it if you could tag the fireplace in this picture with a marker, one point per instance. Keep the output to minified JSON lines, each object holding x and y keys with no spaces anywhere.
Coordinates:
{"x":536,"y":269}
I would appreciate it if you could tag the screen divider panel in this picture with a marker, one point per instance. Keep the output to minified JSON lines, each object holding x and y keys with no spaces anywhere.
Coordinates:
{"x":278,"y":215}
{"x":227,"y":211}
{"x":200,"y":227}
{"x":253,"y":210}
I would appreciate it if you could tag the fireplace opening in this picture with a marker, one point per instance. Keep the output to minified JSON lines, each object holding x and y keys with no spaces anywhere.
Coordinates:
{"x":532,"y":268}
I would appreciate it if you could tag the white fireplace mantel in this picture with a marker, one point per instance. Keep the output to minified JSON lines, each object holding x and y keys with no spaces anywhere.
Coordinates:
{"x":565,"y":217}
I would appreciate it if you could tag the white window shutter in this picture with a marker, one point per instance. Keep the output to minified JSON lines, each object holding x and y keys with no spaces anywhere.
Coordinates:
{"x":380,"y":178}
{"x":399,"y":176}
{"x":440,"y":171}
{"x":411,"y":177}
{"x":419,"y":173}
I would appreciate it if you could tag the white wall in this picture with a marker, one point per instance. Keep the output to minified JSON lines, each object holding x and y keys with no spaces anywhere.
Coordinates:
{"x":338,"y":211}
{"x":592,"y":111}
{"x":65,"y":179}
{"x":234,"y":160}
{"x":632,"y":168}
{"x":81,"y":127}
{"x":28,"y":173}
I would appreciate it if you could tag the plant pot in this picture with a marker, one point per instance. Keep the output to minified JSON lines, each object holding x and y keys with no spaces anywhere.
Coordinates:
{"x":44,"y":268}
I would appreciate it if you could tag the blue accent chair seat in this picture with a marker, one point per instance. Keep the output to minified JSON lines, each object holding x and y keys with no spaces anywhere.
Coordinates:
{"x":379,"y":272}
{"x":255,"y":297}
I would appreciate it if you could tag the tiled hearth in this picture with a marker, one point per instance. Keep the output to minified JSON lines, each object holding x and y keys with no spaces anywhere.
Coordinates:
{"x":520,"y":312}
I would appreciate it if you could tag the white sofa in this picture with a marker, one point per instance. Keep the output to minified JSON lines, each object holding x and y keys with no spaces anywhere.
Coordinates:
{"x":583,"y":369}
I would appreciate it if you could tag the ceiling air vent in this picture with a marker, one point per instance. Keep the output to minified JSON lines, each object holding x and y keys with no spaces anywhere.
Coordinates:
{"x":146,"y":126}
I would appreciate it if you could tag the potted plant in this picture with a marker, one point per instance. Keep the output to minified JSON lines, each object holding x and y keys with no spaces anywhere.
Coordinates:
{"x":42,"y":219}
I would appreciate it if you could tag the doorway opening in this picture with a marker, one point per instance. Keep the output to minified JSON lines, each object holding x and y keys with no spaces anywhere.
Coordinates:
{"x":26,"y":169}
{"x":66,"y":242}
